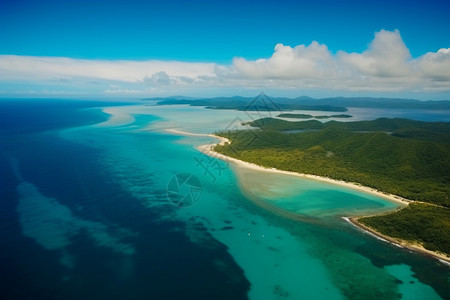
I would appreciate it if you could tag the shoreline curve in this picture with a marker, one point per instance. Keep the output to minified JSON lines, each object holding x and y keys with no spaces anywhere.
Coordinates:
{"x":208,"y":150}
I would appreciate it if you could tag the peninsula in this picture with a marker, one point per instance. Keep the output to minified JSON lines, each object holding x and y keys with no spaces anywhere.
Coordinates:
{"x":398,"y":159}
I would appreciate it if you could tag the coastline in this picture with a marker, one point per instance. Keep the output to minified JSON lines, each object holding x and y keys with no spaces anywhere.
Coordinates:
{"x":397,"y":242}
{"x":184,"y":133}
{"x":208,"y":150}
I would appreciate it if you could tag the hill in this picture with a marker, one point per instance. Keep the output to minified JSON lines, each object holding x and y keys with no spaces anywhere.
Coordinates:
{"x":336,"y":104}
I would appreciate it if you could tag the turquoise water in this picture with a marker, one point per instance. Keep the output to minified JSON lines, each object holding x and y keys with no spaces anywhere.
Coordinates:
{"x":309,"y":198}
{"x":313,"y":259}
{"x":250,"y":234}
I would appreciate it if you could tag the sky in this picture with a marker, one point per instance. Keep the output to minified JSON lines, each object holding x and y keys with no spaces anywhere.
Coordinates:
{"x":222,"y":48}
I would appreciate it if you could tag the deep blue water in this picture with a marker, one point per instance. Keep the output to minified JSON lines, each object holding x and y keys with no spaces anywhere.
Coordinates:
{"x":165,"y":263}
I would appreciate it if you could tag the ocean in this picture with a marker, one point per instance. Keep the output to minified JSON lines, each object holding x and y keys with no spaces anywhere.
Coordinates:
{"x":99,"y":201}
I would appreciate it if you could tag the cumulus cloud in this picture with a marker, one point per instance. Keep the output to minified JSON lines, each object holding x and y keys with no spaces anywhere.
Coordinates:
{"x":387,"y":56}
{"x":158,"y":79}
{"x":386,"y":65}
{"x":301,"y":61}
{"x":435,"y":65}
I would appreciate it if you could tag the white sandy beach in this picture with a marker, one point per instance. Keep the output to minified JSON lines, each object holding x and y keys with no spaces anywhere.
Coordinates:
{"x":208,"y":150}
{"x":398,"y":242}
{"x":222,"y":140}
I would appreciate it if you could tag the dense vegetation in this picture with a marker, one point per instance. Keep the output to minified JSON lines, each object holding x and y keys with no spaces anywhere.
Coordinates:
{"x":426,"y":224}
{"x":413,"y":161}
{"x":306,"y":116}
{"x":305,"y":103}
{"x":342,"y":116}
{"x":437,"y":131}
{"x":402,"y":157}
{"x":249,"y":104}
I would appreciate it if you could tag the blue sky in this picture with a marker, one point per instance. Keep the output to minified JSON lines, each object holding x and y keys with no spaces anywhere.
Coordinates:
{"x":214,"y":34}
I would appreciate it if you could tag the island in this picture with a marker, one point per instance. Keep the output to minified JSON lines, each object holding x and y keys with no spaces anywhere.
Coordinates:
{"x":407,"y":159}
{"x":307,"y":116}
{"x":282,"y":104}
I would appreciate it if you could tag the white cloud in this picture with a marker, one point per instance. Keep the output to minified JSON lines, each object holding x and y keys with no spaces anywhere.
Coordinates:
{"x":158,"y":79}
{"x":436,"y":65}
{"x":386,"y":66}
{"x":14,"y":67}
{"x":387,"y":56}
{"x":312,"y":61}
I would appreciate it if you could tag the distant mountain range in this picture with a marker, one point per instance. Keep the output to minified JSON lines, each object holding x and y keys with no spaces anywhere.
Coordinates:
{"x":335,"y":104}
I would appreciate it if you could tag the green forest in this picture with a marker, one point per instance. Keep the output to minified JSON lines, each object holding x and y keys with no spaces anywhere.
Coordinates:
{"x":308,"y":116}
{"x":417,"y":222}
{"x":407,"y":158}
